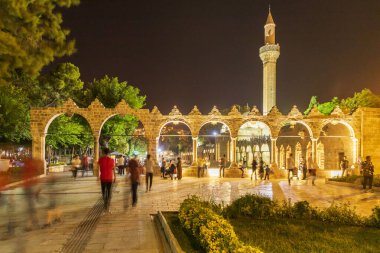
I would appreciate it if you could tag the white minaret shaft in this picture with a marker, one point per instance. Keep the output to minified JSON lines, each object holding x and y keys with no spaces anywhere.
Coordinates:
{"x":269,"y":54}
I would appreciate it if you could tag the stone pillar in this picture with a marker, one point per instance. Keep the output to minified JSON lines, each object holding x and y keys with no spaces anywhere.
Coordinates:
{"x":217,"y":155}
{"x":233,"y":152}
{"x":354,"y":150}
{"x":38,"y":149}
{"x":273,"y":150}
{"x":96,"y":155}
{"x":314,"y":149}
{"x":195,"y":150}
{"x":152,"y":148}
{"x":228,"y":151}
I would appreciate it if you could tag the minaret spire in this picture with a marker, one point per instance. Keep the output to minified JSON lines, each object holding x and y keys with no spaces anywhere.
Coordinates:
{"x":269,"y":54}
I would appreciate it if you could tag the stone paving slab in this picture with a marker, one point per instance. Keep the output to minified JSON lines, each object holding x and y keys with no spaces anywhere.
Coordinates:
{"x":131,"y":229}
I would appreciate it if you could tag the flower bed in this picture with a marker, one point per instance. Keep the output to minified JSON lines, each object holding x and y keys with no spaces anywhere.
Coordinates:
{"x":356,"y":180}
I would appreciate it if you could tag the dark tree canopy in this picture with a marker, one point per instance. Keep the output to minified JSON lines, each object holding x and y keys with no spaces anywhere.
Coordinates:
{"x":31,"y":35}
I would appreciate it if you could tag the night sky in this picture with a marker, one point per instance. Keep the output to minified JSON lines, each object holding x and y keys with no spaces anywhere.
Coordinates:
{"x":205,"y":52}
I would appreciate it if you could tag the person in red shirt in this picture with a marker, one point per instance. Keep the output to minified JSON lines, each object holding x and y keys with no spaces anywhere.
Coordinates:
{"x":107,"y":175}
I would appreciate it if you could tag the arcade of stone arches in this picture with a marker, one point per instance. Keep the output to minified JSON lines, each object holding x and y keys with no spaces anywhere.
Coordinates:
{"x":236,"y":136}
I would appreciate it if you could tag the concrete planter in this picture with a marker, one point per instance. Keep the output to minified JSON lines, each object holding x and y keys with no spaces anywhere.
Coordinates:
{"x":55,"y":169}
{"x":172,"y":242}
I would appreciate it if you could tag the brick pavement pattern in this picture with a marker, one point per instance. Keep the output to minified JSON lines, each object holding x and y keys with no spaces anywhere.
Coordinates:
{"x":130,"y":229}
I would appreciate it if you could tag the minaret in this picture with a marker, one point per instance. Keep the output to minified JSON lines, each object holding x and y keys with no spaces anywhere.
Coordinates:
{"x":269,"y":55}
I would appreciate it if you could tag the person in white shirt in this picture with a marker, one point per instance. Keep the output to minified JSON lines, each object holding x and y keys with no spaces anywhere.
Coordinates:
{"x":149,"y":173}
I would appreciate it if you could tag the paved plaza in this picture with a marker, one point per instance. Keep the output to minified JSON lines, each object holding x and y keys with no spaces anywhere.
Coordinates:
{"x":84,"y":228}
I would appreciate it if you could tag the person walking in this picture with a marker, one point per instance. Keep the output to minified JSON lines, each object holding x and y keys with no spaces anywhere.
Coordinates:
{"x":344,"y":165}
{"x":120,"y":165}
{"x":261,"y":169}
{"x":222,"y":165}
{"x":148,"y":173}
{"x":254,"y":169}
{"x":303,"y":168}
{"x":107,"y":175}
{"x":179,"y":168}
{"x":85,"y":164}
{"x":200,"y":164}
{"x":75,"y":165}
{"x":267,"y":172}
{"x":163,"y":167}
{"x":243,"y":166}
{"x":290,"y":166}
{"x":367,"y":171}
{"x":135,"y":179}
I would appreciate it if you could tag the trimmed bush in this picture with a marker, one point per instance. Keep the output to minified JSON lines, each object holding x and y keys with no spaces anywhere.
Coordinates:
{"x":212,"y":231}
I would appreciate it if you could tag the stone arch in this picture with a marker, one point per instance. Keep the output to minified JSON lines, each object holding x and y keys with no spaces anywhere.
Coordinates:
{"x":338,"y":138}
{"x":174,"y":121}
{"x":168,"y":151}
{"x":339,"y":121}
{"x":215,"y":121}
{"x":113,"y":114}
{"x":271,"y":130}
{"x":293,"y":122}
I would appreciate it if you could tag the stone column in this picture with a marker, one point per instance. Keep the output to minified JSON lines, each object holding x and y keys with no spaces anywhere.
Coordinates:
{"x":195,"y":150}
{"x":96,"y":155}
{"x":152,"y":148}
{"x":228,"y":151}
{"x":354,"y":150}
{"x":233,"y":152}
{"x":273,"y":150}
{"x":38,"y":149}
{"x":314,"y":149}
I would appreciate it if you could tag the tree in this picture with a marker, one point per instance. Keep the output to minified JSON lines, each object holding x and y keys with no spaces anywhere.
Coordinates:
{"x":313,"y":102}
{"x":68,"y":132}
{"x":31,"y":35}
{"x":14,"y":115}
{"x":110,"y":92}
{"x":365,"y":98}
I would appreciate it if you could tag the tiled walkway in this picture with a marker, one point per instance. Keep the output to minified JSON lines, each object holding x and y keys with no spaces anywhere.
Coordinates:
{"x":130,"y":229}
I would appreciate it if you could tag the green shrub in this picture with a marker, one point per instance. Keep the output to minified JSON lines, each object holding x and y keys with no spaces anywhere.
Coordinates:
{"x":251,"y":205}
{"x":374,"y":219}
{"x":213,"y":232}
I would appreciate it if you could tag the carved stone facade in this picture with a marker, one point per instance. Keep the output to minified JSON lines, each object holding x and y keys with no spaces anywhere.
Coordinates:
{"x":362,"y":127}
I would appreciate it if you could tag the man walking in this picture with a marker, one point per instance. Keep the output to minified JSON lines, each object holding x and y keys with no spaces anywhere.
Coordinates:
{"x":149,"y":173}
{"x":107,"y":175}
{"x":254,"y":168}
{"x":222,"y":165}
{"x":290,"y":166}
{"x":344,"y":165}
{"x":135,"y":179}
{"x":368,"y":171}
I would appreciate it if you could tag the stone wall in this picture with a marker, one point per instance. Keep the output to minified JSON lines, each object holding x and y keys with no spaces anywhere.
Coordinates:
{"x":369,"y":119}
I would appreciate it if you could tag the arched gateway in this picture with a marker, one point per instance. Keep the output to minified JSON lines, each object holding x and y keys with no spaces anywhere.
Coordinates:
{"x":305,"y":141}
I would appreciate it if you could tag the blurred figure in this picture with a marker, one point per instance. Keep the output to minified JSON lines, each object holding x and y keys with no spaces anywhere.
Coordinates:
{"x":200,"y":163}
{"x":261,"y":169}
{"x":75,"y":165}
{"x":148,"y":173}
{"x":32,"y":168}
{"x":179,"y":168}
{"x":344,"y":166}
{"x":53,"y":213}
{"x":9,"y":203}
{"x":267,"y":172}
{"x":85,"y":164}
{"x":367,"y":171}
{"x":163,"y":167}
{"x":254,"y":169}
{"x":120,"y":165}
{"x":222,"y":165}
{"x":135,"y":179}
{"x":107,"y":175}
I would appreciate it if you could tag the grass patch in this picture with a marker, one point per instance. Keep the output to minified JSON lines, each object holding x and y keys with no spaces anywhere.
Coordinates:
{"x":187,"y":242}
{"x":291,"y":236}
